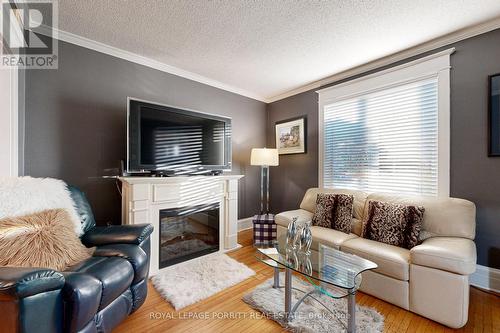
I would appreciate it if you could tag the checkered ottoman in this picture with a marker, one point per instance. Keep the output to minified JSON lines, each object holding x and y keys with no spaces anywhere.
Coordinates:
{"x":264,"y":229}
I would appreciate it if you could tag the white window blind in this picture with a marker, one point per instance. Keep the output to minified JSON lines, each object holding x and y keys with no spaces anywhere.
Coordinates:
{"x":384,"y":141}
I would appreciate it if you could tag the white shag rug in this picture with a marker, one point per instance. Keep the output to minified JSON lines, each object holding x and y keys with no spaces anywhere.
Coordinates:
{"x":26,"y":195}
{"x":311,"y":316}
{"x":189,"y":282}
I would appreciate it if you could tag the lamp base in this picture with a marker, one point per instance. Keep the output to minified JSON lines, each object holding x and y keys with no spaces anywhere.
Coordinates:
{"x":264,"y":171}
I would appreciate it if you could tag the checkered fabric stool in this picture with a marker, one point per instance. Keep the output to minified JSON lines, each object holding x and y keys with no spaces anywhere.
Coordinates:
{"x":264,"y":229}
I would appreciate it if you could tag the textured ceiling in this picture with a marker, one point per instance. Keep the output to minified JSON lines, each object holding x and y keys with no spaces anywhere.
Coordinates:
{"x":268,"y":47}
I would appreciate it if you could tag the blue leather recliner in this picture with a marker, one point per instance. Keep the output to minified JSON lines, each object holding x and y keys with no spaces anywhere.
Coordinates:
{"x":93,"y":296}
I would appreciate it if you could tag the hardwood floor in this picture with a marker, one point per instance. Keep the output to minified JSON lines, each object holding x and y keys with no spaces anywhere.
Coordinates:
{"x":156,"y":315}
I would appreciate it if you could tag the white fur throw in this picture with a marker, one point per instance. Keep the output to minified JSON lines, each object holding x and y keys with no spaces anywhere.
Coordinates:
{"x":21,"y":196}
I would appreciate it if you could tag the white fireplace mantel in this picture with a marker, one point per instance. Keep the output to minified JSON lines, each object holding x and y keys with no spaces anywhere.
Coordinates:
{"x":144,"y":197}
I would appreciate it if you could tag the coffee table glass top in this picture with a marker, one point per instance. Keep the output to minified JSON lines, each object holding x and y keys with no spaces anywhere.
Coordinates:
{"x":331,"y":266}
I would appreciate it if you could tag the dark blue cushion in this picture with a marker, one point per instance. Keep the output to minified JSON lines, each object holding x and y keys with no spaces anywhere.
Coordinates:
{"x":82,"y":208}
{"x":82,"y":296}
{"x":132,"y":253}
{"x":115,"y":275}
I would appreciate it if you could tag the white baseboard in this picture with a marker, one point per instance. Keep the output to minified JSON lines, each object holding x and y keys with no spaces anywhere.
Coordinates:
{"x":486,"y":278}
{"x":244,"y":224}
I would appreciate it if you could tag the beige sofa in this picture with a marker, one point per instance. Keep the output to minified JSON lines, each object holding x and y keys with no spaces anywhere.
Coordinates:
{"x":431,"y":279}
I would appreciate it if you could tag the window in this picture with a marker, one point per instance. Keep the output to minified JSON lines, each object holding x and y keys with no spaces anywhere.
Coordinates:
{"x":388,"y":132}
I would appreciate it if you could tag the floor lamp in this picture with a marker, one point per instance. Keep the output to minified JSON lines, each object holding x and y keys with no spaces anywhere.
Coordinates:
{"x":264,"y":158}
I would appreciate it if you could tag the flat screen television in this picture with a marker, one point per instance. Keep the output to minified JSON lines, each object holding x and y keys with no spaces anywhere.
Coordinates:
{"x":171,"y":140}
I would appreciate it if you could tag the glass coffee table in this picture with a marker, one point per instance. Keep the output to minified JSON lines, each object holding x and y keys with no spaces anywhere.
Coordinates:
{"x":337,"y":274}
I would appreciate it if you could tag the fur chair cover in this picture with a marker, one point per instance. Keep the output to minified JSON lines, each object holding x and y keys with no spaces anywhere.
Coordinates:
{"x":20,"y":196}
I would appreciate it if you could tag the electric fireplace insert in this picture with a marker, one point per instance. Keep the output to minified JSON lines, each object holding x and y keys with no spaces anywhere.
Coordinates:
{"x":188,"y":232}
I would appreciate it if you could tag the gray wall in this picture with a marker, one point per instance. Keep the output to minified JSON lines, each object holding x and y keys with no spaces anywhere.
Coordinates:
{"x":296,"y":172}
{"x":75,"y":122}
{"x":474,"y":175}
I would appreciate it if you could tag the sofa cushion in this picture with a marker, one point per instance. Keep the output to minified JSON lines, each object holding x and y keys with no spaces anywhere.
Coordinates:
{"x":329,"y":237}
{"x":323,"y":215}
{"x":393,"y":224}
{"x":115,"y":275}
{"x":447,"y":217}
{"x":356,"y":226}
{"x":132,"y":253}
{"x":283,"y":219}
{"x":453,"y":254}
{"x":392,"y":261}
{"x":309,"y":201}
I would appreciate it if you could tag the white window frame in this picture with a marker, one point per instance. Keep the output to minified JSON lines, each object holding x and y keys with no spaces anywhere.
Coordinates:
{"x":435,"y":65}
{"x":9,"y":142}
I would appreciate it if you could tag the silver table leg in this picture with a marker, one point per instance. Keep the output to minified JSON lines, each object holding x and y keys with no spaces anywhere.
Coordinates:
{"x":290,"y":311}
{"x":351,"y":312}
{"x":288,"y":293}
{"x":276,"y":283}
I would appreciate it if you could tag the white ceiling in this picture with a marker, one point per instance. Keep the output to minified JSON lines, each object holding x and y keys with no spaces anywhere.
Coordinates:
{"x":264,"y":48}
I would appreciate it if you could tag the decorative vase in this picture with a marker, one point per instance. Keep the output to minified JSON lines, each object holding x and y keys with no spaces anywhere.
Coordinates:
{"x":291,"y":233}
{"x":305,"y":238}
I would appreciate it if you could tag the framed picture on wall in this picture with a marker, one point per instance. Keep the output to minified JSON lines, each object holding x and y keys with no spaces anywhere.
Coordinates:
{"x":494,"y":115}
{"x":291,"y":136}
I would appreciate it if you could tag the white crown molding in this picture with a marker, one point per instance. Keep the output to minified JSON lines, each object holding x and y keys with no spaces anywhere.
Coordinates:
{"x":433,"y":68}
{"x":399,"y":56}
{"x":145,"y":61}
{"x":486,"y":278}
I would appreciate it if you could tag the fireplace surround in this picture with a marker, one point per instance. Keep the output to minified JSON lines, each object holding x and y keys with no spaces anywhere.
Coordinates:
{"x":172,"y":199}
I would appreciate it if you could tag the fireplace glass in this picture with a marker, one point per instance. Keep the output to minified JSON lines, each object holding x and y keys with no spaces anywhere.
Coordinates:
{"x":188,"y":232}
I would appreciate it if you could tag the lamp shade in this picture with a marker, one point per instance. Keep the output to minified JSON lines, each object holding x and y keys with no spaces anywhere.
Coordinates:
{"x":264,"y":156}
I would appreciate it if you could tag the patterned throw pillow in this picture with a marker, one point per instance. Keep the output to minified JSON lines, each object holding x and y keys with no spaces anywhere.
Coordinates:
{"x":393,"y":224}
{"x":323,"y":215}
{"x":342,"y":212}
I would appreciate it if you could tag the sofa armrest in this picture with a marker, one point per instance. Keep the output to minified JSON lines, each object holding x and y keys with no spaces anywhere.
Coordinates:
{"x":117,"y":234}
{"x":453,"y":254}
{"x":20,"y":282}
{"x":284,"y":218}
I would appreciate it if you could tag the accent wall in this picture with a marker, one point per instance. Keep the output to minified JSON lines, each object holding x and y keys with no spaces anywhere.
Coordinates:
{"x":474,"y":175}
{"x":75,"y":121}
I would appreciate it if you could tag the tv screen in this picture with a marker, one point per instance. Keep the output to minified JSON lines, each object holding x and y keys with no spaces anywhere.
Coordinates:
{"x":167,"y":138}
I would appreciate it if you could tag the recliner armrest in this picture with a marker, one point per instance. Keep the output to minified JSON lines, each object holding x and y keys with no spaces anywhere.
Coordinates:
{"x":19,"y":282}
{"x":117,"y":234}
{"x":453,"y":254}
